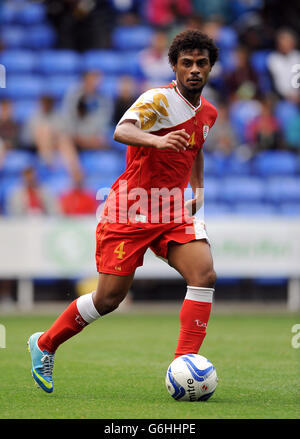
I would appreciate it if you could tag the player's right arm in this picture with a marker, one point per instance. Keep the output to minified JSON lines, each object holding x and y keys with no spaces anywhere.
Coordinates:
{"x":127,"y":132}
{"x":143,"y":118}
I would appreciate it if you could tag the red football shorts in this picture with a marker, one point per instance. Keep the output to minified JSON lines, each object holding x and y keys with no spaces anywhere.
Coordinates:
{"x":120,"y":248}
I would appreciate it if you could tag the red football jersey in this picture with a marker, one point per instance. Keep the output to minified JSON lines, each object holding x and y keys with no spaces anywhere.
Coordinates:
{"x":151,"y":189}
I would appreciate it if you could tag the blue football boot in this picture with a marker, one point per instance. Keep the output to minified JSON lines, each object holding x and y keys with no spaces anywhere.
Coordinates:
{"x":42,"y":364}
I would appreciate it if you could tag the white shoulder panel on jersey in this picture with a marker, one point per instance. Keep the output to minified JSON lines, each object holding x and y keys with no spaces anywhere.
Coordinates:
{"x":159,"y":108}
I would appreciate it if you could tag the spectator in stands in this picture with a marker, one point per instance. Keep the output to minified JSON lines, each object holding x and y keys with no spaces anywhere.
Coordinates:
{"x":264,"y":132}
{"x":167,"y":12}
{"x":242,"y":73}
{"x":31,"y":198}
{"x":87,"y":114}
{"x":212,"y":28}
{"x":279,"y":14}
{"x":281,"y":62}
{"x":45,"y":131}
{"x":212,"y":9}
{"x":194,"y":21}
{"x":78,"y":200}
{"x":243,"y":109}
{"x":129,"y":12}
{"x":222,"y":137}
{"x":126,"y":97}
{"x":81,"y":24}
{"x":154,"y":62}
{"x":292,"y":133}
{"x":9,"y":128}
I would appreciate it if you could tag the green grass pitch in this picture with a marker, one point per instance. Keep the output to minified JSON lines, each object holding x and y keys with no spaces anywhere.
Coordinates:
{"x":115,"y":369}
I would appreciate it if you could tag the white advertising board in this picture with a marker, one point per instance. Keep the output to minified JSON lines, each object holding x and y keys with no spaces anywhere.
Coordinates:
{"x":44,"y":247}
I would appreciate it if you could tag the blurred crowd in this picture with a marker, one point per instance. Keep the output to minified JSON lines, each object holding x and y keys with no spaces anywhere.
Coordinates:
{"x":254,"y":86}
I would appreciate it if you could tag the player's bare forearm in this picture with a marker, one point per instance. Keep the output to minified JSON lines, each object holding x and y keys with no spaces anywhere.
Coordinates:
{"x":196,"y":179}
{"x":129,"y":134}
{"x":196,"y":182}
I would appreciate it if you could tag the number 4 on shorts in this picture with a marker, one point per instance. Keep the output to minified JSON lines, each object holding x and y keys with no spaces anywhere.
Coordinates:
{"x":119,"y":250}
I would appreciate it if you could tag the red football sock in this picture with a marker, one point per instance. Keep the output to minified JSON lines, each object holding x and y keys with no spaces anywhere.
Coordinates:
{"x":79,"y":314}
{"x":194,"y":316}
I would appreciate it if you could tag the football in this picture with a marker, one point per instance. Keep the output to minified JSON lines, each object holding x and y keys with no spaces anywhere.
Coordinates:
{"x":191,"y":377}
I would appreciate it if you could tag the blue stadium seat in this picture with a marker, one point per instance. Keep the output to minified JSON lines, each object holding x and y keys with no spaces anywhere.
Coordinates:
{"x":95,"y":183}
{"x":227,"y":42}
{"x":8,"y":185}
{"x":209,"y":165}
{"x":57,"y":85}
{"x":9,"y":13}
{"x":40,"y":36}
{"x":211,"y":189}
{"x":283,"y":189}
{"x":43,"y":171}
{"x":25,"y":86}
{"x":131,"y":64}
{"x":298,"y":165}
{"x":19,"y":61}
{"x":59,"y":62}
{"x":13,"y":37}
{"x":241,"y":114}
{"x":290,"y":209}
{"x":272,"y":163}
{"x":214,"y":164}
{"x":21,"y":12}
{"x":101,"y":163}
{"x":109,"y":86}
{"x":227,"y":38}
{"x":228,"y":62}
{"x":285,"y":111}
{"x":259,"y":61}
{"x":237,"y":165}
{"x":16,"y":161}
{"x":106,"y":61}
{"x":57,"y":170}
{"x":132,"y":37}
{"x":242,"y":189}
{"x":216,"y":209}
{"x":114,"y":144}
{"x":31,"y":13}
{"x":58,"y":184}
{"x":254,"y":209}
{"x":111,"y":62}
{"x":23,"y":109}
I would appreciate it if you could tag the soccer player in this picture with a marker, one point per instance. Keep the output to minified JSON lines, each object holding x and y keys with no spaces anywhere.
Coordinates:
{"x":165,"y":130}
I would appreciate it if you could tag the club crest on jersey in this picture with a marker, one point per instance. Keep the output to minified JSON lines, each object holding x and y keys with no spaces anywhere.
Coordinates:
{"x":205,"y":131}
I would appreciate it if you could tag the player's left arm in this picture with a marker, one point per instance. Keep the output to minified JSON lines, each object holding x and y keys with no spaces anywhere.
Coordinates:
{"x":197,"y":184}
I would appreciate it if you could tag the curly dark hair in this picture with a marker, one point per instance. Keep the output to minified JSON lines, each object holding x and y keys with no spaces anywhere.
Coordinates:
{"x":189,"y":40}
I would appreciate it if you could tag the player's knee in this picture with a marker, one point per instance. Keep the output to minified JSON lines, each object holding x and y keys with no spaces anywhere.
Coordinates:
{"x":211,"y":278}
{"x":200,"y":278}
{"x":108,"y":302}
{"x":108,"y":306}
